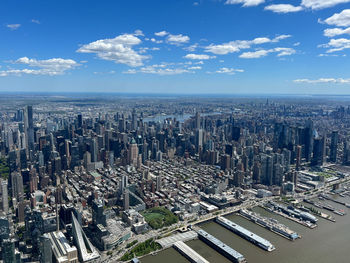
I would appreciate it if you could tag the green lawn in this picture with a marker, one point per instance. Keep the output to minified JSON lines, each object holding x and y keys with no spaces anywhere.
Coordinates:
{"x":158,"y":217}
{"x":141,"y":249}
{"x":4,"y":169}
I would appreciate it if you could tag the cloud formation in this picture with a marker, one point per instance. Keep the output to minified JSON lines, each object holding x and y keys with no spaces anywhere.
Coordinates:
{"x":118,"y":49}
{"x":341,"y":19}
{"x":320,"y":4}
{"x":282,"y":51}
{"x":199,"y":56}
{"x":332,"y":32}
{"x":159,"y":69}
{"x":161,"y":33}
{"x":13,"y":26}
{"x":50,"y":67}
{"x":229,"y":71}
{"x":283,"y":8}
{"x":323,"y":80}
{"x":177,"y":39}
{"x":238,"y":45}
{"x":245,"y":3}
{"x":335,"y":45}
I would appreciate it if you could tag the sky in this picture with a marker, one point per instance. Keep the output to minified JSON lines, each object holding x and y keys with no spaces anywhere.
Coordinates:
{"x":175,"y":46}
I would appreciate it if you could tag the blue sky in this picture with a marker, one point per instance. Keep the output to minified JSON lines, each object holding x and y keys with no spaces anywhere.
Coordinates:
{"x":176,"y":46}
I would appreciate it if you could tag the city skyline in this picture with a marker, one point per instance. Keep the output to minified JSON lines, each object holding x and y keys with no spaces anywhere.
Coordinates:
{"x":176,"y":47}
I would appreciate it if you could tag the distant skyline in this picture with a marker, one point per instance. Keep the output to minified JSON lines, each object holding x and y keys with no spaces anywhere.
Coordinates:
{"x":176,"y":46}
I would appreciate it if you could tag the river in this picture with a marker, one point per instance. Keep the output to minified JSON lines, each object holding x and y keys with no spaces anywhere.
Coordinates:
{"x":327,"y":243}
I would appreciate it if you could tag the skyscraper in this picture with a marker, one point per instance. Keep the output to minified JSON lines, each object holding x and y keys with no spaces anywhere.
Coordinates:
{"x":198,"y":121}
{"x":4,"y":196}
{"x":133,"y":153}
{"x":308,"y":139}
{"x":318,"y":151}
{"x":334,"y":146}
{"x":126,"y":202}
{"x":29,"y":128}
{"x":45,"y":250}
{"x":298,"y":157}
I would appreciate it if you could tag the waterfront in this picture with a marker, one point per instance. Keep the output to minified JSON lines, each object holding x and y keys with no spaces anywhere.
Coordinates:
{"x":326,"y":243}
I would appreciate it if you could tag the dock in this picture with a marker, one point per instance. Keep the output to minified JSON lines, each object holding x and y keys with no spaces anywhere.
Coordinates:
{"x":246,"y":234}
{"x":189,"y":253}
{"x":221,"y":247}
{"x":269,"y":223}
{"x":167,"y":242}
{"x":295,"y":215}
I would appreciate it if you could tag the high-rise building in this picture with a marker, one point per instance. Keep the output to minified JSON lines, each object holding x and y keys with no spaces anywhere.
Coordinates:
{"x":45,"y":250}
{"x":199,"y":139}
{"x":98,"y":217}
{"x":198,"y":121}
{"x":133,"y":153}
{"x":126,"y":199}
{"x":134,"y":120}
{"x":4,"y":195}
{"x":17,"y":186}
{"x":80,"y":121}
{"x":298,"y":157}
{"x":29,"y":128}
{"x":94,"y":150}
{"x":123,"y":183}
{"x":8,"y":251}
{"x":334,"y":146}
{"x":159,"y":182}
{"x":308,"y":139}
{"x":318,"y":151}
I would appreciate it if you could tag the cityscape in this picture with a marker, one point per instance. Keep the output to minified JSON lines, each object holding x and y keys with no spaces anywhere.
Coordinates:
{"x":175,"y":143}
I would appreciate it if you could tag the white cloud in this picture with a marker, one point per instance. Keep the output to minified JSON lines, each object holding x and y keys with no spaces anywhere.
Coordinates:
{"x":156,"y":41}
{"x":35,"y":21}
{"x":161,"y":33}
{"x":225,"y":48}
{"x":159,"y":69}
{"x":198,"y":56}
{"x":323,"y":80}
{"x":229,"y":71}
{"x":191,"y":48}
{"x":280,"y":37}
{"x":118,"y":49}
{"x":339,"y":19}
{"x":51,"y":67}
{"x":284,"y":51}
{"x":319,"y":4}
{"x":283,"y":8}
{"x":281,"y":51}
{"x":177,"y":39}
{"x":13,"y":26}
{"x":138,"y":32}
{"x":195,"y":68}
{"x":255,"y":54}
{"x":246,"y":3}
{"x":335,"y":45}
{"x":261,"y":40}
{"x":238,"y":45}
{"x":332,"y":32}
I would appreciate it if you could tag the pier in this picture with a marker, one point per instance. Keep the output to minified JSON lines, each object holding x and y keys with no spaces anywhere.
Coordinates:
{"x":295,"y":215}
{"x":271,"y":224}
{"x":246,"y":234}
{"x":221,"y":247}
{"x":189,"y":253}
{"x":167,"y":242}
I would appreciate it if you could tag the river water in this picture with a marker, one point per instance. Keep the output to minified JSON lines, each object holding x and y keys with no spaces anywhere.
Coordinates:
{"x":327,"y":243}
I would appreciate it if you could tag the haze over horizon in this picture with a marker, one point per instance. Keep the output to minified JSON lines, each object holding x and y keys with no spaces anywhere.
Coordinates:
{"x":176,"y":47}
